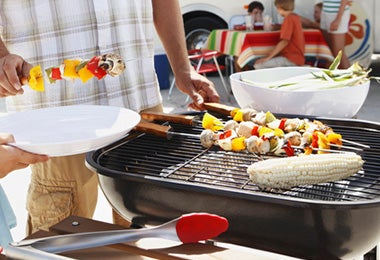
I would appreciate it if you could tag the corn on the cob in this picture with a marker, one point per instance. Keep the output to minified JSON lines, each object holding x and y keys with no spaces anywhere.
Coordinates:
{"x":304,"y":169}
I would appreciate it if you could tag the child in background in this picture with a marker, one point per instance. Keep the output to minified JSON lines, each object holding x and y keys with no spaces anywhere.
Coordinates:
{"x":307,"y":23}
{"x":255,"y":9}
{"x":290,"y":50}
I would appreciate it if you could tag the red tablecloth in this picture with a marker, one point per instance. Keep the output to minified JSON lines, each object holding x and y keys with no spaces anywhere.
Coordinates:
{"x":249,"y":45}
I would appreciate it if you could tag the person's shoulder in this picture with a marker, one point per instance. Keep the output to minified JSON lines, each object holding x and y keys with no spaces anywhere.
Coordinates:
{"x":291,"y":17}
{"x":295,"y":18}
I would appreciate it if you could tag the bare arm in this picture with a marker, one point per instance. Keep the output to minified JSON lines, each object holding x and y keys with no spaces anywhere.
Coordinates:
{"x":169,"y":26}
{"x":277,"y":49}
{"x":307,"y":23}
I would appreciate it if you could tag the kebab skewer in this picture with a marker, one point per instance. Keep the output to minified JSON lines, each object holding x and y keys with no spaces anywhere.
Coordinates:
{"x":279,"y":138}
{"x":72,"y":69}
{"x":257,"y":136}
{"x":262,"y":118}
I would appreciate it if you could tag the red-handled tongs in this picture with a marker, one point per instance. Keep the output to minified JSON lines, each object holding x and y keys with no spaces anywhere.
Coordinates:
{"x":189,"y":228}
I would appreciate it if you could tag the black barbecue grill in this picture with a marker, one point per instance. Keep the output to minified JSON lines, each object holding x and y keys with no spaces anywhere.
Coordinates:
{"x":150,"y":180}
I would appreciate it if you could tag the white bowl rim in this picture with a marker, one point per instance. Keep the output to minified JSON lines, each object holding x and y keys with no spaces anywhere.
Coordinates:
{"x":235,"y":77}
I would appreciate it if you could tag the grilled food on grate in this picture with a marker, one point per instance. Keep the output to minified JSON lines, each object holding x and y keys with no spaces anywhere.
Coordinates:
{"x":304,"y":169}
{"x":266,"y":134}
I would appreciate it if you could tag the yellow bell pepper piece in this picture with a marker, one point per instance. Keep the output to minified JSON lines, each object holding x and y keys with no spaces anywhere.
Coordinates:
{"x":238,"y":144}
{"x":36,"y":80}
{"x":238,"y":116}
{"x":323,"y":143}
{"x":211,"y":122}
{"x":308,"y":150}
{"x":85,"y":74}
{"x":278,"y":132}
{"x":263,"y":130}
{"x":334,"y":138}
{"x":233,"y":112}
{"x":70,"y":68}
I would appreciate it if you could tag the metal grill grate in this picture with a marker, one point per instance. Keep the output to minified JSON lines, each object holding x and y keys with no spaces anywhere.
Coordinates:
{"x":187,"y":162}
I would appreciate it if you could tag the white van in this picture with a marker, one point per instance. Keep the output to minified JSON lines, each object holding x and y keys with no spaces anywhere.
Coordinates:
{"x":200,"y":17}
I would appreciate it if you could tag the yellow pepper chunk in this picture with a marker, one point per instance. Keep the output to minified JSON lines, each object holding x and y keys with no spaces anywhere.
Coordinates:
{"x":233,"y":112}
{"x":70,"y":68}
{"x":238,"y":116}
{"x":85,"y":74}
{"x":308,"y":150}
{"x":36,"y":80}
{"x":334,"y":138}
{"x":323,"y":143}
{"x":211,"y":122}
{"x":263,"y":130}
{"x":238,"y":144}
{"x":278,"y":132}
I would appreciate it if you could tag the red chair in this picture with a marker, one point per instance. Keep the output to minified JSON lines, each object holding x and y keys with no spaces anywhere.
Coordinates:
{"x":204,"y":62}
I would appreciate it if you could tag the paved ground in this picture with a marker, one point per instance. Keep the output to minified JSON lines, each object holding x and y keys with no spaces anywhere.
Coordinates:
{"x":16,"y":184}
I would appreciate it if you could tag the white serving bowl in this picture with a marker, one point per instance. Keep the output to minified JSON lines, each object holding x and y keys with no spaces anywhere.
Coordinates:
{"x":336,"y":102}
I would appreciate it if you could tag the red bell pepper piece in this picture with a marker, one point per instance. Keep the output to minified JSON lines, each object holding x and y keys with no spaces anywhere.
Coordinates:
{"x":255,"y":130}
{"x":55,"y":74}
{"x":225,"y":134}
{"x":288,"y":149}
{"x":93,"y":67}
{"x":314,"y":141}
{"x":282,"y":123}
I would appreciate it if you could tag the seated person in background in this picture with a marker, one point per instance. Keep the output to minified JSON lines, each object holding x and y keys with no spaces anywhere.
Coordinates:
{"x":290,"y":50}
{"x":255,"y":10}
{"x":307,"y":23}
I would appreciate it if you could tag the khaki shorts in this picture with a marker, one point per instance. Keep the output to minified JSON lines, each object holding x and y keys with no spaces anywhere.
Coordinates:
{"x":61,"y":187}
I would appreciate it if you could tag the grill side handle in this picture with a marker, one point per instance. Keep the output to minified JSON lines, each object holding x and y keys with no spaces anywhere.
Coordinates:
{"x":162,"y":131}
{"x":154,"y":129}
{"x":219,"y":108}
{"x":174,"y":118}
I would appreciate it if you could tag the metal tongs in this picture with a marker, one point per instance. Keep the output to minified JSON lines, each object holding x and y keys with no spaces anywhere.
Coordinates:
{"x":189,"y":228}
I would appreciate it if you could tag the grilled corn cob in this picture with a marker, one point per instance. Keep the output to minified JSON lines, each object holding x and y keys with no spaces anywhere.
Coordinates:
{"x":304,"y":169}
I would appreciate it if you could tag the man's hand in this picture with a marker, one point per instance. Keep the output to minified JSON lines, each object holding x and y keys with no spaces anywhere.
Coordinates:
{"x":14,"y":71}
{"x":199,"y":88}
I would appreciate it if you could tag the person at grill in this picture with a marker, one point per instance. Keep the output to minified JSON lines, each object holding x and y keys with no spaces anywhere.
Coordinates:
{"x":11,"y":159}
{"x":290,"y":50}
{"x":47,"y":32}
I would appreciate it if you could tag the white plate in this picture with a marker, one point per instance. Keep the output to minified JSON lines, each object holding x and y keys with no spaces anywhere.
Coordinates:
{"x":68,"y":130}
